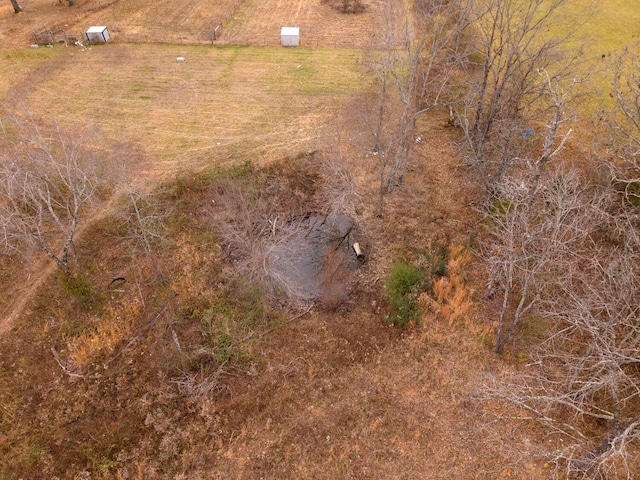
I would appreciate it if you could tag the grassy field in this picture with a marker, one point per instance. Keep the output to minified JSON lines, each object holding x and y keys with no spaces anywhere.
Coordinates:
{"x":17,"y":67}
{"x":613,"y":24}
{"x":222,"y":103}
{"x":609,"y":27}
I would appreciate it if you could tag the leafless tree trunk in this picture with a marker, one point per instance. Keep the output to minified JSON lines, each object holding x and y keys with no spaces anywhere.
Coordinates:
{"x":338,"y":182}
{"x":47,"y":178}
{"x":554,"y":139}
{"x":144,"y":219}
{"x":382,"y":63}
{"x":16,"y":7}
{"x":144,"y":222}
{"x":532,"y":229}
{"x":621,"y":139}
{"x":583,"y":380}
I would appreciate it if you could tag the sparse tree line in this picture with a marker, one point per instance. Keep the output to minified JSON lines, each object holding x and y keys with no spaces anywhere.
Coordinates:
{"x":559,"y":233}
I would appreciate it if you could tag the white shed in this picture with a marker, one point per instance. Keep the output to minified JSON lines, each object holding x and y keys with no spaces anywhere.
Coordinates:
{"x":98,"y":34}
{"x":290,"y":36}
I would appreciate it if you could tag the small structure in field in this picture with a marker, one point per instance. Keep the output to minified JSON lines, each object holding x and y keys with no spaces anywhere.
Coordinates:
{"x":44,"y":37}
{"x":290,"y":36}
{"x":98,"y":34}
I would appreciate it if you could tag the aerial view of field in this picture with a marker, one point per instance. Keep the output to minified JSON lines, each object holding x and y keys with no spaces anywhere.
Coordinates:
{"x":254,"y":285}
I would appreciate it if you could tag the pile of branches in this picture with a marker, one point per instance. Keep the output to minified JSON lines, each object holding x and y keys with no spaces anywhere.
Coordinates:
{"x":347,"y":6}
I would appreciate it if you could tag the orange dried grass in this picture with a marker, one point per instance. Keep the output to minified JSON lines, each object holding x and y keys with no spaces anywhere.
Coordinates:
{"x":452,"y":299}
{"x":115,"y":326}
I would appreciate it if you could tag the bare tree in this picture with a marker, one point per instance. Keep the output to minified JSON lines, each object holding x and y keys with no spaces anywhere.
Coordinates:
{"x":144,"y":219}
{"x":284,"y":245}
{"x":620,"y":141}
{"x":532,"y":228}
{"x":583,"y":381}
{"x":145,"y":214}
{"x":338,"y":195}
{"x":531,"y":238}
{"x":503,"y":90}
{"x":413,"y":68}
{"x":47,"y":179}
{"x":596,"y":350}
{"x":554,"y":139}
{"x":250,"y":231}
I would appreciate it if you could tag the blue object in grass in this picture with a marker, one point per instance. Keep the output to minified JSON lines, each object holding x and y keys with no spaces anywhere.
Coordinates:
{"x":526,"y":133}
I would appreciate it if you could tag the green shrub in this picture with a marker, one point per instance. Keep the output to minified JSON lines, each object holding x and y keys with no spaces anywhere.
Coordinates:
{"x":434,"y":262}
{"x":80,"y":288}
{"x":227,"y":323}
{"x":403,"y":287}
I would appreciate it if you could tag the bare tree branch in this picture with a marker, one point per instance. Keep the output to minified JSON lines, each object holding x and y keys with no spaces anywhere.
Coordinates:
{"x":47,"y":179}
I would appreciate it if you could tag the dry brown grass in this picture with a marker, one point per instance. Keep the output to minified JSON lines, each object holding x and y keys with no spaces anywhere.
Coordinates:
{"x":192,"y":113}
{"x":452,"y":298}
{"x":244,"y":22}
{"x":138,"y":20}
{"x":259,"y":22}
{"x":113,"y":326}
{"x":330,"y":395}
{"x":333,"y":394}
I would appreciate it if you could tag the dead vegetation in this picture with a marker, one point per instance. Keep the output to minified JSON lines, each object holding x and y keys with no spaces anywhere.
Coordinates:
{"x":183,"y":345}
{"x":151,"y":371}
{"x":347,"y":6}
{"x":146,"y":376}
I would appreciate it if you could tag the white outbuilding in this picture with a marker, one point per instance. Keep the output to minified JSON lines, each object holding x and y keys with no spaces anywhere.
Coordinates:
{"x":290,"y":36}
{"x":99,"y":34}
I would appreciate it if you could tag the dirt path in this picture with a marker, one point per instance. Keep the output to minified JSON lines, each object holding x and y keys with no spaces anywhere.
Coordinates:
{"x":42,"y":271}
{"x":26,"y":293}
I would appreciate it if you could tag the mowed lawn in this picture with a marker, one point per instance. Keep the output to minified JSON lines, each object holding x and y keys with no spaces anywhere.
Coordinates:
{"x":226,"y":103}
{"x":220,"y":103}
{"x":612,"y":25}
